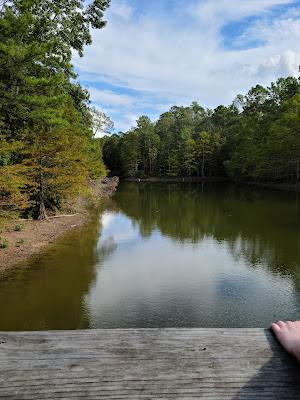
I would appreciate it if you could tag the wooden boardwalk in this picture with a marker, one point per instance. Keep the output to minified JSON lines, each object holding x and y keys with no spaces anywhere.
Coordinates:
{"x":146,"y":364}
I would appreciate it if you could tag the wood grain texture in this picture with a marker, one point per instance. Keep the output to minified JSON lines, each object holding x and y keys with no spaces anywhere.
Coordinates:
{"x":146,"y":364}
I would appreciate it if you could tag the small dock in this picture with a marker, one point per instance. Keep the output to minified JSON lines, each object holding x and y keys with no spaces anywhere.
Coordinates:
{"x":146,"y":364}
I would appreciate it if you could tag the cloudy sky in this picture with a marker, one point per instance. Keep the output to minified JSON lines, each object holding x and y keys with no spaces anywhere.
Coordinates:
{"x":157,"y":53}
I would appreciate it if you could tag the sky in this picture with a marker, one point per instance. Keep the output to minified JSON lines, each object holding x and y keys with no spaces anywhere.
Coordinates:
{"x":154,"y":54}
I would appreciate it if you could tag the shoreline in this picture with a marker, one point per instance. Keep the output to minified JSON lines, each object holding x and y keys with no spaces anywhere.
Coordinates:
{"x":34,"y":236}
{"x":287,"y":187}
{"x":283,"y":187}
{"x":179,"y":179}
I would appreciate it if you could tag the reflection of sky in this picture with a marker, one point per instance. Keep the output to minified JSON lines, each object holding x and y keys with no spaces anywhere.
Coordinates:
{"x":156,"y":281}
{"x":120,"y":229}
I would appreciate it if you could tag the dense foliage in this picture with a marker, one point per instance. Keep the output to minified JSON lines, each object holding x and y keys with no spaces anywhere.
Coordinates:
{"x":48,"y":151}
{"x":257,"y":137}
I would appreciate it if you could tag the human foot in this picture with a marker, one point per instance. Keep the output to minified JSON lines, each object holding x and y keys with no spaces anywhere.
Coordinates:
{"x":288,"y":334}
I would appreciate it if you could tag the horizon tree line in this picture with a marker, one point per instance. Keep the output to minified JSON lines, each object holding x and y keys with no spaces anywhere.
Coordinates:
{"x":257,"y":137}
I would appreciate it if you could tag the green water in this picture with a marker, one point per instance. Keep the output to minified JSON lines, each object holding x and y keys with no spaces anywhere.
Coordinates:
{"x":166,"y":255}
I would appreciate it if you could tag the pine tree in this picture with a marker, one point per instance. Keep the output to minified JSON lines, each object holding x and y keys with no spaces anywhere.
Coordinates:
{"x":40,"y":107}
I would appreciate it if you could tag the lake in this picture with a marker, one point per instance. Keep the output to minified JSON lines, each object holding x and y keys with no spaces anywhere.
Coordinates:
{"x":166,"y":255}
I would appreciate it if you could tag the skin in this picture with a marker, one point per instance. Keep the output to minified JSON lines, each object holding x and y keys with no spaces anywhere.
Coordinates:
{"x":288,"y":334}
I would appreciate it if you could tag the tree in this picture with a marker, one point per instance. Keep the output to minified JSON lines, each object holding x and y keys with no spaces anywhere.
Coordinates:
{"x":54,"y":168}
{"x":55,"y":164}
{"x":189,"y":156}
{"x":102,"y":124}
{"x":204,"y":150}
{"x":254,"y":138}
{"x":280,"y":156}
{"x":130,"y":153}
{"x":164,"y":128}
{"x":149,"y":143}
{"x":40,"y":106}
{"x":13,"y":183}
{"x":112,"y":153}
{"x":66,"y":24}
{"x":36,"y":35}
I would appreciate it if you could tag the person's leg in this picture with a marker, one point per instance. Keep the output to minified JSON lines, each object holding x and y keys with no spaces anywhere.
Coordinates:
{"x":288,"y":334}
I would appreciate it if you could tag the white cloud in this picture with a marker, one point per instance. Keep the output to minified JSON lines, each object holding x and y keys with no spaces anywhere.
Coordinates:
{"x":231,"y":10}
{"x":127,"y":121}
{"x":107,"y":97}
{"x":121,"y":9}
{"x":173,"y":63}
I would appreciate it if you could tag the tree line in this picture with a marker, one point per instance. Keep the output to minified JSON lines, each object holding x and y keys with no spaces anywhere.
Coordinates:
{"x":48,"y":150}
{"x":257,"y":137}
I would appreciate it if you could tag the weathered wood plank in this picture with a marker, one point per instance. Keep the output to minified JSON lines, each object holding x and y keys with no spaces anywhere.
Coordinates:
{"x":146,"y":364}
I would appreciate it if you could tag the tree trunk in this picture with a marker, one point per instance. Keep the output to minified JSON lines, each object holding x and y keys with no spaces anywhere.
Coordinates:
{"x":202,"y":165}
{"x":42,"y":212}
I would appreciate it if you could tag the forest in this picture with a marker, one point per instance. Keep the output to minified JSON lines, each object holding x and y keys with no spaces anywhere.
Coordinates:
{"x":256,"y":138}
{"x":48,"y":149}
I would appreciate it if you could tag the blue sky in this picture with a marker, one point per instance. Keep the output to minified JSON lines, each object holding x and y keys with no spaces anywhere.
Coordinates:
{"x":159,"y":53}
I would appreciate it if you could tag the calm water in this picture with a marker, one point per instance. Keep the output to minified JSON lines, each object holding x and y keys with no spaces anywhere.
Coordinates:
{"x":165,"y":255}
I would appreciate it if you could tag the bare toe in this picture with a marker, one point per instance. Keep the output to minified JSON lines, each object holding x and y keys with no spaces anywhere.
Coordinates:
{"x":281,"y":324}
{"x":275,"y":328}
{"x":288,"y":334}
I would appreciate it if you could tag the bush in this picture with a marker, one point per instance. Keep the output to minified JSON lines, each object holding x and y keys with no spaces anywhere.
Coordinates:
{"x":18,"y":227}
{"x":3,"y":243}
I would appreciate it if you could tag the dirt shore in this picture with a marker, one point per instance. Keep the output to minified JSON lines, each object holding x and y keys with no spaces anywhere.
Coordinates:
{"x":27,"y":237}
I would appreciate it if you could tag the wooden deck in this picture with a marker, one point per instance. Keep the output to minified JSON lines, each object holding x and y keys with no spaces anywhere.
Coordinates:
{"x":146,"y":364}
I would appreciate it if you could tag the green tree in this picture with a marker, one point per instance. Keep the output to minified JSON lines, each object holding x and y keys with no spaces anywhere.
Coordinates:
{"x":254,"y":138}
{"x":204,"y":150}
{"x":130,"y":153}
{"x":189,"y":156}
{"x":13,"y":182}
{"x":280,"y":156}
{"x":112,"y":153}
{"x":149,"y":143}
{"x":39,"y":105}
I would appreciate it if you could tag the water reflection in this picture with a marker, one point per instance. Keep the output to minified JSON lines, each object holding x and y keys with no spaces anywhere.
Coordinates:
{"x":51,"y":293}
{"x":167,"y":256}
{"x":262,"y":226}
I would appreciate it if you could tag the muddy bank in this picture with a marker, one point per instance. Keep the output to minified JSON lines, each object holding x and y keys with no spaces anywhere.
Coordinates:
{"x":24,"y":238}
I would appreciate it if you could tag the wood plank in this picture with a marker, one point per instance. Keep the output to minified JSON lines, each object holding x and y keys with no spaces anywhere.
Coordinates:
{"x":146,"y":364}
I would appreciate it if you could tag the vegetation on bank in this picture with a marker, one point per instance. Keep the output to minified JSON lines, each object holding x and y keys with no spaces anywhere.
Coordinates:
{"x":256,"y":138}
{"x":48,"y":149}
{"x":20,"y":240}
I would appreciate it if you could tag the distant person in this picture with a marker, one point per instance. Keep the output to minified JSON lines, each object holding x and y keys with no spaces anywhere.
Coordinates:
{"x":288,"y":334}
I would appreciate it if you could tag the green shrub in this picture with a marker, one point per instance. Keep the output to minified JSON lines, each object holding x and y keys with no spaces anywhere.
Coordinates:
{"x":18,"y":227}
{"x":3,"y":243}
